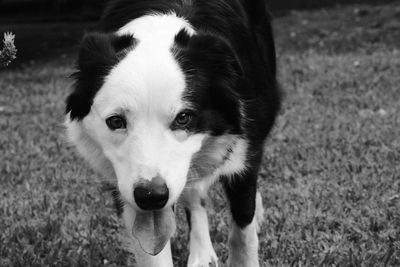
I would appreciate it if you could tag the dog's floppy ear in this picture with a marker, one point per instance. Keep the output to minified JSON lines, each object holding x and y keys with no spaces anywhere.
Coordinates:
{"x":98,"y":54}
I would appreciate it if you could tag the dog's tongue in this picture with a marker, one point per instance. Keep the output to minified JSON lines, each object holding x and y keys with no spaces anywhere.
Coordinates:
{"x":154,"y":229}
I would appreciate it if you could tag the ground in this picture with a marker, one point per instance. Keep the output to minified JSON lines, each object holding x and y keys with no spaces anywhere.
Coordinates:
{"x":330,"y":178}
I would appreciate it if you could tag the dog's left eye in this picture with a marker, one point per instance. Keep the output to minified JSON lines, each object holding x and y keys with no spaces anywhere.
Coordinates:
{"x":183,"y":119}
{"x":116,"y":122}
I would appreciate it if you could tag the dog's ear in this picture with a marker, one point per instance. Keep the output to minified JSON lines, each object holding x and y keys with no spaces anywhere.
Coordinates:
{"x":103,"y":49}
{"x":99,"y":52}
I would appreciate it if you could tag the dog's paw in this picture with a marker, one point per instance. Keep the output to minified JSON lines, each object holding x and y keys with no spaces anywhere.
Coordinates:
{"x":203,"y":259}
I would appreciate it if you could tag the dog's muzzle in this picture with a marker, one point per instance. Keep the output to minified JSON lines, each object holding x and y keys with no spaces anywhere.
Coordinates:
{"x":154,"y":225}
{"x":151,"y":195}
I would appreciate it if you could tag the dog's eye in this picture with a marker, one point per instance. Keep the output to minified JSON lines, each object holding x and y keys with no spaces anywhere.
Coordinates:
{"x":116,"y":122}
{"x":183,"y":119}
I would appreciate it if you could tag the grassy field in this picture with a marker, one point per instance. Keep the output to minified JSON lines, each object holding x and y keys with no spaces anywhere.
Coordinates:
{"x":330,"y":178}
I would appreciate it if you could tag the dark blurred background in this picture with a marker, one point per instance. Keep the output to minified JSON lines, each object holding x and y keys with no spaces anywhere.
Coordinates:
{"x":52,"y":28}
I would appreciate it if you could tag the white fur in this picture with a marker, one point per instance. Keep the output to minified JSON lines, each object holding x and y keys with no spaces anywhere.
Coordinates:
{"x":236,"y":163}
{"x":147,"y":27}
{"x":243,"y":246}
{"x":201,"y":249}
{"x":259,"y":213}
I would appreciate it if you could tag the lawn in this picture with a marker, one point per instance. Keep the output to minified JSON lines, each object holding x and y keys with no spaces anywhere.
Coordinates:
{"x":330,"y":178}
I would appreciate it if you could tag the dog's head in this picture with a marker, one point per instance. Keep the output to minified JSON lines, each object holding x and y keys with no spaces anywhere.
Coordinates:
{"x":155,"y":105}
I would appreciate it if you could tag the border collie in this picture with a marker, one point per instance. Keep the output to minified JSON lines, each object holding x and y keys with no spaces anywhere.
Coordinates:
{"x":169,"y":97}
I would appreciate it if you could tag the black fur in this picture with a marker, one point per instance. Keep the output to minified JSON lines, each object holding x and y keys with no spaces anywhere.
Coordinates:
{"x":203,"y":202}
{"x":188,"y":218}
{"x":98,"y":54}
{"x":212,"y":73}
{"x":230,"y":73}
{"x":182,"y":38}
{"x":241,"y":191}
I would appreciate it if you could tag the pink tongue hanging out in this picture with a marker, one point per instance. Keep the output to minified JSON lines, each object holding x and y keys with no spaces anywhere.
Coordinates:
{"x":153,"y":229}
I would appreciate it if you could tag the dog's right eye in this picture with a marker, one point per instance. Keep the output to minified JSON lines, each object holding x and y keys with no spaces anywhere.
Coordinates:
{"x":116,"y":122}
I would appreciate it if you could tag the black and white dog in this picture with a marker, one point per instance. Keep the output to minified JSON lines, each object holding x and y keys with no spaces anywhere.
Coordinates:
{"x":171,"y":96}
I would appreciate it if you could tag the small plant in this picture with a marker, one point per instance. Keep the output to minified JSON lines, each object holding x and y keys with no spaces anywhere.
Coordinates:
{"x":9,"y":51}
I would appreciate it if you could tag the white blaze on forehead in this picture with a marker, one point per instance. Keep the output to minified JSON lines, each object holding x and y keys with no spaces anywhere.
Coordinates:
{"x":157,"y":26}
{"x":148,"y":78}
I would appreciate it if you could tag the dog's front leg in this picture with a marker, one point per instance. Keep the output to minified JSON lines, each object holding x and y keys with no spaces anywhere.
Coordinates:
{"x":163,"y":259}
{"x":246,"y":208}
{"x":202,"y":253}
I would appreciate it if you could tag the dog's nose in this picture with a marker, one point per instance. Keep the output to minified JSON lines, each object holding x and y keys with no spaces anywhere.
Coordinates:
{"x":151,"y":195}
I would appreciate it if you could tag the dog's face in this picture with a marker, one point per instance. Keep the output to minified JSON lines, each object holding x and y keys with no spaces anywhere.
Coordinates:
{"x":155,"y":99}
{"x":140,"y":120}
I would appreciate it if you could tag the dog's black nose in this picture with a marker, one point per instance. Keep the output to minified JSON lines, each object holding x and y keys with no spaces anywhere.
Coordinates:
{"x":151,"y":195}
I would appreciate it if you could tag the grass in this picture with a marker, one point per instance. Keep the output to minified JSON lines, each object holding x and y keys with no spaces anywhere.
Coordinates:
{"x":330,"y":178}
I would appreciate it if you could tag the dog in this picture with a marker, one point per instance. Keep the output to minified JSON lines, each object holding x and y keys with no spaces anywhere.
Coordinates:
{"x":169,"y":97}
